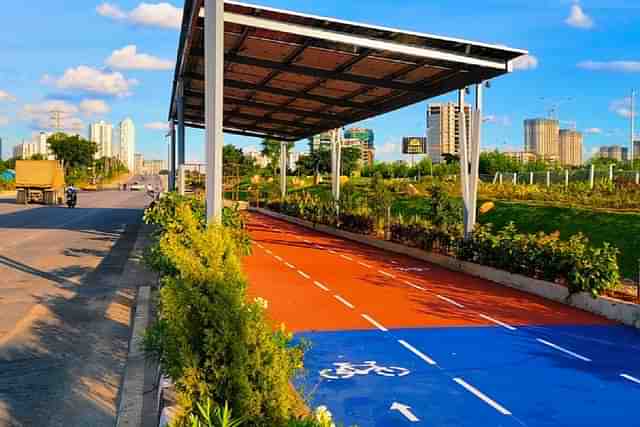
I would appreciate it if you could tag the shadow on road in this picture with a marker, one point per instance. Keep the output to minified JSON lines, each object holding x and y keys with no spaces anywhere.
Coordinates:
{"x":66,"y":368}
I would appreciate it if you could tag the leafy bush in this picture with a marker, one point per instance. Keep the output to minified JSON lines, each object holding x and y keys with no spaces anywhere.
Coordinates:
{"x":211,"y":342}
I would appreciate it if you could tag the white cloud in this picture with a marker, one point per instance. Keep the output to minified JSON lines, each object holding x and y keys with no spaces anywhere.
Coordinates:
{"x":578,"y":19}
{"x":93,"y":80}
{"x":4,"y":120}
{"x":162,"y":15}
{"x":128,"y":58}
{"x":40,"y":115}
{"x":616,"y":66}
{"x":111,"y":11}
{"x":389,"y":148}
{"x":526,"y":62}
{"x":163,"y":126}
{"x":593,"y":131}
{"x":622,"y":107}
{"x":6,"y":96}
{"x":498,"y":120}
{"x":91,"y":107}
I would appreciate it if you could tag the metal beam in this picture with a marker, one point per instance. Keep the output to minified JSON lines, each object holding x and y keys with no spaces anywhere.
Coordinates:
{"x":287,"y":110}
{"x":325,"y":74}
{"x":365,"y":42}
{"x":181,"y":130}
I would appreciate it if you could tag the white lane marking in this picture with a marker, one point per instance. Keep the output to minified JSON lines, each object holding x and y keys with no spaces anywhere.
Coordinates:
{"x":279,"y":258}
{"x":269,"y":252}
{"x":495,"y":405}
{"x":319,"y":247}
{"x":344,"y":301}
{"x":374,"y":323}
{"x":564,"y":350}
{"x":386,"y":274}
{"x":450,"y":301}
{"x":346,"y":257}
{"x":405,"y":410}
{"x":415,"y":286}
{"x":364,"y":265}
{"x":289,"y":265}
{"x":307,"y":241}
{"x":332,"y":251}
{"x":321,"y":286}
{"x":417,"y":352}
{"x":303,"y":274}
{"x":260,"y":246}
{"x":497,"y":322}
{"x":630,"y":378}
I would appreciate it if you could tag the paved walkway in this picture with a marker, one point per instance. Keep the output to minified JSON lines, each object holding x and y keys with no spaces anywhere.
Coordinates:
{"x":399,"y":342}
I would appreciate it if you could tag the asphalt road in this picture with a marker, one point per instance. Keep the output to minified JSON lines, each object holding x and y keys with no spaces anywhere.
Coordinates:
{"x":64,"y":312}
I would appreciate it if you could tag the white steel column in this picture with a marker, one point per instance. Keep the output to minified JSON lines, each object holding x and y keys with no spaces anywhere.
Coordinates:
{"x":214,"y":99}
{"x":476,"y":142}
{"x":172,"y":158}
{"x":283,"y":169}
{"x":181,"y":142}
{"x":338,"y":162}
{"x":592,"y":176}
{"x":464,"y":162}
{"x":633,"y":127}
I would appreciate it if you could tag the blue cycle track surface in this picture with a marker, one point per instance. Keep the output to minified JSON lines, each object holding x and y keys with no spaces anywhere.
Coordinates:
{"x":538,"y":385}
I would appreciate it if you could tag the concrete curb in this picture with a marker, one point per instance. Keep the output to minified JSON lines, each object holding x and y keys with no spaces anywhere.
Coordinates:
{"x":612,"y":309}
{"x":132,"y":396}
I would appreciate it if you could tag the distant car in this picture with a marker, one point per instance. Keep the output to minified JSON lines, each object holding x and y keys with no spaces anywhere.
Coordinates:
{"x":136,"y":187}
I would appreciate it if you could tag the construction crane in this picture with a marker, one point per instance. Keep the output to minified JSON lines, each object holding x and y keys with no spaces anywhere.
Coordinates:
{"x":552,"y":106}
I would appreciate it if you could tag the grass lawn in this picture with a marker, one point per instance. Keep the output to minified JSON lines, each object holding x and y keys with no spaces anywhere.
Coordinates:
{"x":619,"y":229}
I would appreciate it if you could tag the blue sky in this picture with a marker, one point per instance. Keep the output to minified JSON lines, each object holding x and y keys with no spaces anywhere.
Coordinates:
{"x":94,"y":60}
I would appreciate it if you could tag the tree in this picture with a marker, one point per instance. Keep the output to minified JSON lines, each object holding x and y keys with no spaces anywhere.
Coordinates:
{"x":37,"y":156}
{"x":74,"y":151}
{"x":271,"y":149}
{"x":234,"y":161}
{"x":350,"y":160}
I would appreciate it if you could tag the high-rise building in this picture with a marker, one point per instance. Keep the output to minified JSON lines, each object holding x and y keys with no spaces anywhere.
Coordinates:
{"x":636,"y":149}
{"x":570,"y":147}
{"x":128,"y":144}
{"x":138,"y":163}
{"x":322,"y":140}
{"x":366,"y":153}
{"x":615,"y":152}
{"x":153,"y":167}
{"x":365,"y":135}
{"x":443,"y":127}
{"x":1,"y":158}
{"x":25,"y":150}
{"x":542,"y":137}
{"x":102,"y":134}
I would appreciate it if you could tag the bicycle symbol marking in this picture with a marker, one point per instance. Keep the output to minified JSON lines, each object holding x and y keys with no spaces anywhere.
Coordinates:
{"x":346,"y":370}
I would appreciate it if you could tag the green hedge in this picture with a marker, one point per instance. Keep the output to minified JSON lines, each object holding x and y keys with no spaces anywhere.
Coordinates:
{"x":213,"y":343}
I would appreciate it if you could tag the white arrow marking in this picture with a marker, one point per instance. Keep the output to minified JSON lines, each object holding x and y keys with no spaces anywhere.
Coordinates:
{"x":404,"y":410}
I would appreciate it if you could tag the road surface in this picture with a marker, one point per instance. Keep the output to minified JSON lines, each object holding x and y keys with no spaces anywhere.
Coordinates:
{"x":64,"y":318}
{"x":399,"y":342}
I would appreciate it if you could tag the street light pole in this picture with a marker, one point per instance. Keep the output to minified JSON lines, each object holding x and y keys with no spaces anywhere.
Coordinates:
{"x":633,"y":130}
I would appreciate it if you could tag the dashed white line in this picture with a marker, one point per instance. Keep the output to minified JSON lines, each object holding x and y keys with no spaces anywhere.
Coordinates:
{"x":384,"y":273}
{"x":279,"y":258}
{"x":319,"y":247}
{"x":290,"y":265}
{"x":630,"y":378}
{"x":450,"y":301}
{"x":307,"y":241}
{"x":374,"y":323}
{"x":415,"y":286}
{"x":321,"y":286}
{"x":417,"y":352}
{"x":303,"y":274}
{"x":259,"y":245}
{"x":364,"y":265}
{"x":344,"y":301}
{"x":348,"y":258}
{"x":564,"y":350}
{"x":498,"y":322}
{"x":269,"y":252}
{"x":495,"y":405}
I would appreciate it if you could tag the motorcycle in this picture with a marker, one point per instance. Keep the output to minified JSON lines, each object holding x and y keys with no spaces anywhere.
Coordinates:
{"x":72,"y":198}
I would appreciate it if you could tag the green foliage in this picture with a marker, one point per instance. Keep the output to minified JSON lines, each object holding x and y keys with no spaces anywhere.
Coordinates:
{"x":211,"y":342}
{"x":235,"y":162}
{"x":442,"y":209}
{"x":209,"y":416}
{"x":271,"y":149}
{"x":76,"y":152}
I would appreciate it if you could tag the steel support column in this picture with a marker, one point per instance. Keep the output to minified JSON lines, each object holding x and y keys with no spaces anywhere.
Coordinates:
{"x":476,"y":142}
{"x":172,"y":158}
{"x":214,"y":109}
{"x":283,"y":169}
{"x":464,"y":161}
{"x":181,"y":130}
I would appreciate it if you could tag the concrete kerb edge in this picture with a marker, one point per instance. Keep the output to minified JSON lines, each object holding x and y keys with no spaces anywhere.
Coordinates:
{"x":131,"y":403}
{"x":620,"y":311}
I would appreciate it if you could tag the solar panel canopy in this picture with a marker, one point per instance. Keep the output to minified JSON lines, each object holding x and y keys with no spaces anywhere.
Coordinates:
{"x":291,"y":76}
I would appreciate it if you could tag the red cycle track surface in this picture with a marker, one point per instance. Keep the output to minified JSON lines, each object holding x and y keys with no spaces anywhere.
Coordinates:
{"x":353,"y":272}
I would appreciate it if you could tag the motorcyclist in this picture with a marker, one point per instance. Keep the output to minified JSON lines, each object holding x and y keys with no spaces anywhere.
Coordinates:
{"x":72,"y":195}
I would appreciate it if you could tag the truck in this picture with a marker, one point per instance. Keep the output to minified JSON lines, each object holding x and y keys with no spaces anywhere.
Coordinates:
{"x":40,"y":181}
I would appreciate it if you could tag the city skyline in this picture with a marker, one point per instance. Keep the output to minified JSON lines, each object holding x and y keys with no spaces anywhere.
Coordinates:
{"x":127,"y":66}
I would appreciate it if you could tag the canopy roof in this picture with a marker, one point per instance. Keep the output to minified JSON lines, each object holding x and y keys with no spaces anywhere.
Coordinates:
{"x":291,"y":76}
